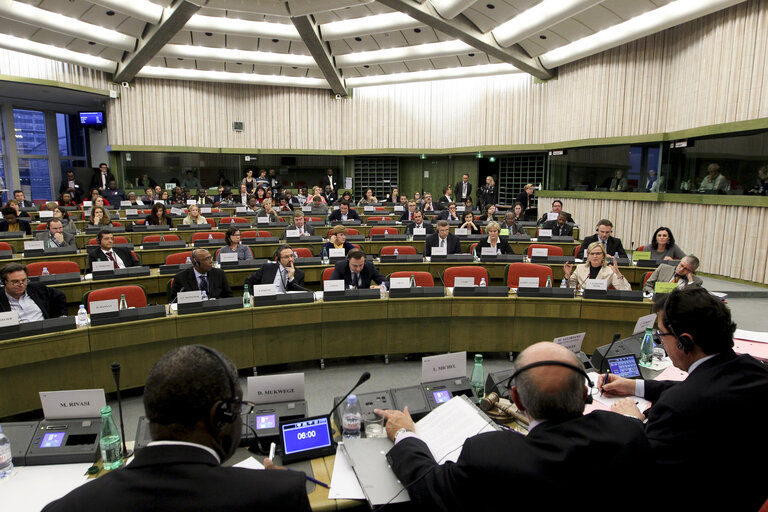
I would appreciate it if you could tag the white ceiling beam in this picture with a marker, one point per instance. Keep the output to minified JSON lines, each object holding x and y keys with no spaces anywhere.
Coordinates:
{"x":143,"y":10}
{"x":320,"y":51}
{"x":229,"y":55}
{"x":48,"y":51}
{"x":421,"y":51}
{"x":226,"y":76}
{"x":539,"y":18}
{"x":368,"y":25}
{"x":222,"y":25}
{"x":437,"y":74}
{"x":449,"y":9}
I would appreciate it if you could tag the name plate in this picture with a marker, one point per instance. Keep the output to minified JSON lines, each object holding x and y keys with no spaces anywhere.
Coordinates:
{"x":337,"y":253}
{"x":528,"y":282}
{"x":572,"y":342}
{"x":228,"y":257}
{"x":205,"y":209}
{"x":333,"y":285}
{"x":190,"y":297}
{"x":444,"y":366}
{"x":419,"y":231}
{"x":399,"y":208}
{"x":46,"y":214}
{"x":291,"y":233}
{"x":643,"y":322}
{"x":538,"y":251}
{"x":504,"y":232}
{"x":140,"y":202}
{"x":262,"y":220}
{"x":264,"y":290}
{"x":439,"y":251}
{"x":34,"y":245}
{"x":89,"y":203}
{"x":545,"y":232}
{"x":241,"y":209}
{"x":369,"y":209}
{"x":641,"y":255}
{"x":400,"y":282}
{"x":463,"y":282}
{"x":191,"y":201}
{"x":158,"y":201}
{"x":76,"y":403}
{"x":99,"y":266}
{"x":596,"y":284}
{"x":306,"y":209}
{"x":177,"y":211}
{"x":131,"y":211}
{"x":276,"y":388}
{"x":552,"y":216}
{"x":488,"y":251}
{"x":9,"y":318}
{"x":460,"y":208}
{"x":104,"y":306}
{"x":461,"y":231}
{"x":657,"y":288}
{"x":125,"y":203}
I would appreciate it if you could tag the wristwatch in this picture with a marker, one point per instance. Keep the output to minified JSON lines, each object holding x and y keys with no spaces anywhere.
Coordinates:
{"x":400,"y":432}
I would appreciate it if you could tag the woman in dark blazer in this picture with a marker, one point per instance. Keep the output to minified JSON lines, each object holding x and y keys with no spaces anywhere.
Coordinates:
{"x":494,"y":240}
{"x":158,"y":216}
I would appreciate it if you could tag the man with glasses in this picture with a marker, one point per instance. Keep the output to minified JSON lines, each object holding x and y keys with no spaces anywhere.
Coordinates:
{"x":282,"y":273}
{"x":32,"y":301}
{"x":202,"y":276}
{"x":193,"y":401}
{"x":684,"y":274}
{"x":707,"y":431}
{"x":55,"y":236}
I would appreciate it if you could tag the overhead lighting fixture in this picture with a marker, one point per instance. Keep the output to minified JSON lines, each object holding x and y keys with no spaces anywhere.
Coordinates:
{"x":436,"y":74}
{"x":224,"y":25}
{"x":538,"y":18}
{"x":423,"y":156}
{"x":449,"y":9}
{"x":367,"y":25}
{"x":226,"y":54}
{"x":479,"y":155}
{"x":140,"y":9}
{"x":421,"y":51}
{"x":55,"y":53}
{"x":492,"y":159}
{"x":227,"y":76}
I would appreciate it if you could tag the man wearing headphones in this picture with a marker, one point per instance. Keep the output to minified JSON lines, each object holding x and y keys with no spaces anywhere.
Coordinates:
{"x":32,"y":301}
{"x":603,"y":235}
{"x":357,"y":272}
{"x":712,"y":467}
{"x":565,"y":453}
{"x":121,"y":257}
{"x":203,"y":277}
{"x":283,"y":273}
{"x":193,"y":401}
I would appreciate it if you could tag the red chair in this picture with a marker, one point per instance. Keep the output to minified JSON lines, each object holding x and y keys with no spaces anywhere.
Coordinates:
{"x":517,"y":270}
{"x":380,"y":208}
{"x":357,"y":246}
{"x":352,"y":231}
{"x":5,"y":246}
{"x":552,"y":250}
{"x":177,"y":258}
{"x":302,"y":252}
{"x":377,"y":218}
{"x":211,"y":222}
{"x":423,"y":279}
{"x":640,"y":248}
{"x":451,"y":273}
{"x":54,"y":267}
{"x":577,"y":252}
{"x":390,"y":249}
{"x":314,"y":219}
{"x":217,"y":235}
{"x":41,"y":226}
{"x":117,"y":223}
{"x":381,"y":230}
{"x":645,"y":278}
{"x":327,"y":273}
{"x":264,"y":233}
{"x":157,"y":238}
{"x":135,"y":296}
{"x":237,"y":220}
{"x":118,"y":240}
{"x":141,"y":222}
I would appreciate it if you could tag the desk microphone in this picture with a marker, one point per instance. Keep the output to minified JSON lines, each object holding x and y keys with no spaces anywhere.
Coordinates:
{"x":116,"y":374}
{"x":364,"y":377}
{"x":605,"y":356}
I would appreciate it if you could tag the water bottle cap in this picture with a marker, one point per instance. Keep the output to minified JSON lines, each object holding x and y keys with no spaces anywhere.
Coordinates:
{"x":106,"y":410}
{"x":478,"y":358}
{"x":352,"y":399}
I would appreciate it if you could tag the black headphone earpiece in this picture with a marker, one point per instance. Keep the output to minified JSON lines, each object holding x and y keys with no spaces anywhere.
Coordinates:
{"x":548,"y":362}
{"x":225,"y":408}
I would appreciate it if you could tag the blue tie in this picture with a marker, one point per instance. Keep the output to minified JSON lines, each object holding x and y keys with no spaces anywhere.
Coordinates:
{"x":204,"y":284}
{"x":355,"y":282}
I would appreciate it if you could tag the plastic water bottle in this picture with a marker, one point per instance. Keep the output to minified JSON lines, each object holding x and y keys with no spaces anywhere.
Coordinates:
{"x":203,"y":295}
{"x":210,"y":236}
{"x":123,"y":303}
{"x":549,"y":282}
{"x":616,"y":257}
{"x":82,"y":316}
{"x":295,"y":255}
{"x":646,"y":348}
{"x":189,"y":260}
{"x":412,"y":284}
{"x":45,"y":272}
{"x":563,"y":283}
{"x":477,"y":380}
{"x":498,"y":251}
{"x":246,"y":297}
{"x":162,"y":237}
{"x":111,"y":451}
{"x":483,"y":283}
{"x":396,"y":252}
{"x":351,"y":418}
{"x":6,"y":456}
{"x":324,"y":256}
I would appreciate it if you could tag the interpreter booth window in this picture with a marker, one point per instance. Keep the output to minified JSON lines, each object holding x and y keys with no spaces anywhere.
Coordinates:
{"x":32,"y":149}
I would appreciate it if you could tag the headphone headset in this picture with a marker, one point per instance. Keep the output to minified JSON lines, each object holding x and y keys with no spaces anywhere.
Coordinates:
{"x":550,"y":362}
{"x":225,"y":410}
{"x":684,"y":341}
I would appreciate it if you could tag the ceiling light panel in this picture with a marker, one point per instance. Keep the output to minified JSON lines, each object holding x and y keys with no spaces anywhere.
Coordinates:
{"x":52,"y":38}
{"x":210,"y":65}
{"x":181,"y":37}
{"x":293,"y":71}
{"x":419,"y":65}
{"x":625,"y":9}
{"x":390,"y":39}
{"x":242,"y":27}
{"x":449,"y":9}
{"x":132,"y":26}
{"x":246,"y":78}
{"x":420,"y":35}
{"x":98,"y":16}
{"x":486,"y":19}
{"x":261,"y":6}
{"x":144,"y":10}
{"x":175,"y":63}
{"x":537,"y":19}
{"x":365,"y":44}
{"x":55,"y":53}
{"x":445,"y":62}
{"x":254,"y":57}
{"x":261,"y":69}
{"x":81,"y":46}
{"x":298,"y":48}
{"x":111,"y":54}
{"x":339,"y":47}
{"x":597,"y":18}
{"x":242,"y":67}
{"x":477,"y":58}
{"x":404,"y":54}
{"x":274,"y":45}
{"x":367,"y":25}
{"x":394,"y":67}
{"x":17,"y":29}
{"x":73,"y":8}
{"x":242,"y":42}
{"x":440,"y":74}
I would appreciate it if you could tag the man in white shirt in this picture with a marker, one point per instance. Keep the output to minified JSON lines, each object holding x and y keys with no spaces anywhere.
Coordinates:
{"x":32,"y":301}
{"x":121,"y":257}
{"x":300,"y":225}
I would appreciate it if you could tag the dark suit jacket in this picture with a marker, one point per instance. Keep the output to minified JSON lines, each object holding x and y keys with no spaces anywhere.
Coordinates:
{"x":516,"y":229}
{"x":332,"y":181}
{"x":503,"y":245}
{"x":79,"y":190}
{"x":452,"y":244}
{"x":457,"y":191}
{"x":69,"y":239}
{"x":329,"y":245}
{"x":564,"y":230}
{"x":335,"y":215}
{"x":543,"y":218}
{"x":566,"y":452}
{"x":266,"y":275}
{"x":368,"y":274}
{"x":23,"y":226}
{"x":664,"y":274}
{"x":51,"y":301}
{"x":445,"y":214}
{"x":428,"y":228}
{"x":731,"y":387}
{"x":189,"y":479}
{"x":613,"y":245}
{"x":307,"y":228}
{"x":218,"y":287}
{"x":96,"y":254}
{"x":96,"y":179}
{"x":406,"y":214}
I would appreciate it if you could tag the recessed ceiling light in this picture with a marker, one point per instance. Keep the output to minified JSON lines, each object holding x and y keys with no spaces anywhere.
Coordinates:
{"x":491,"y":6}
{"x":542,"y":36}
{"x":91,"y":43}
{"x":209,"y":34}
{"x":471,"y":54}
{"x":358,"y":39}
{"x":275,"y":40}
{"x":110,"y":13}
{"x":179,"y":58}
{"x":366,"y":66}
{"x":417,"y":30}
{"x":295,"y":67}
{"x":239,"y":63}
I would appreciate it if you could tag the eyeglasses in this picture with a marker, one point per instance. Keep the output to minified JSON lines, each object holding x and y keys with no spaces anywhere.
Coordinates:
{"x":658,"y":335}
{"x":17,"y":282}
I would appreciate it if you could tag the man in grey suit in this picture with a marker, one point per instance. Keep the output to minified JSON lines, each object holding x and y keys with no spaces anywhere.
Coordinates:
{"x":300,"y":225}
{"x":684,"y":274}
{"x":55,"y":236}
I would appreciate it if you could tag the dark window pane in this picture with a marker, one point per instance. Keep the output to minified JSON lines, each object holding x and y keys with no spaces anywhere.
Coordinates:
{"x":30,"y":132}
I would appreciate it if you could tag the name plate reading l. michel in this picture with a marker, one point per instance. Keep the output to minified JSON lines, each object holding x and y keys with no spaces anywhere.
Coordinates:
{"x":444,"y":366}
{"x":276,"y":388}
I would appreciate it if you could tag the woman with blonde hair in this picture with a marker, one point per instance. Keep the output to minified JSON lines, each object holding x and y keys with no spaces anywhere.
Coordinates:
{"x":596,"y":267}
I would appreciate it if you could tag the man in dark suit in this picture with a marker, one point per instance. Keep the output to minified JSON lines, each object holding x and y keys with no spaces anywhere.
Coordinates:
{"x":563,"y":446}
{"x":443,"y":238}
{"x":32,"y":301}
{"x":407,"y":215}
{"x":557,"y":207}
{"x":300,"y":225}
{"x":449,"y":214}
{"x":55,"y":236}
{"x":105,"y":251}
{"x":684,"y":274}
{"x":12,"y":222}
{"x":343,"y":213}
{"x":329,"y":195}
{"x":18,"y":195}
{"x":696,"y":330}
{"x":282,"y":273}
{"x":193,"y":401}
{"x":357,"y":272}
{"x":101,"y":178}
{"x":114,"y":195}
{"x":419,"y":222}
{"x":330,"y":180}
{"x":612,"y":245}
{"x":463,"y":189}
{"x":202,"y":276}
{"x":559,"y":227}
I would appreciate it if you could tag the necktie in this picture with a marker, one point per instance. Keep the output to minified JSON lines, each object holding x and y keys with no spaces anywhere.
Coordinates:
{"x":283,"y":280}
{"x":676,"y":278}
{"x":355,"y":280}
{"x":410,"y":216}
{"x":204,"y":284}
{"x":442,"y":242}
{"x":112,"y":258}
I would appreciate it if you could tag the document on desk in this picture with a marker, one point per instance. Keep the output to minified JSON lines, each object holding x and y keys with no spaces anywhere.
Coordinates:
{"x":608,"y":401}
{"x":344,"y":484}
{"x":30,"y":488}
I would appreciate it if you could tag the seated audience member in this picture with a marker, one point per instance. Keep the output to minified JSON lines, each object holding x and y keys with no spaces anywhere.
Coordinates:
{"x":202,"y":197}
{"x":254,"y":204}
{"x":194,"y":217}
{"x":135,"y":202}
{"x":75,"y":189}
{"x":559,"y":227}
{"x":596,"y":267}
{"x":344,"y":213}
{"x":99,"y":201}
{"x":318,"y":206}
{"x":610,"y":244}
{"x":316,"y":192}
{"x":63,"y":216}
{"x":190,"y":181}
{"x":714,"y":180}
{"x":284,"y":205}
{"x":418,"y":199}
{"x":329,"y":195}
{"x":18,"y":195}
{"x":443,"y":238}
{"x":663,"y":246}
{"x":393,"y":197}
{"x":158,"y":191}
{"x":447,"y":197}
{"x":66,"y":200}
{"x":469,"y":223}
{"x":302,"y":195}
{"x":113,"y":194}
{"x":203,"y":276}
{"x":557,"y":207}
{"x":468,"y":206}
{"x":55,"y":236}
{"x":243,"y":197}
{"x":449,"y":214}
{"x":227,"y":199}
{"x":653,"y":183}
{"x":345,"y":196}
{"x":158,"y":216}
{"x":267,"y":211}
{"x":219,"y":194}
{"x":357,"y":272}
{"x":514,"y":227}
{"x":409,"y":211}
{"x":19,"y":212}
{"x":193,"y":401}
{"x":696,"y":331}
{"x":419,"y":222}
{"x":178,"y":196}
{"x":499,"y":243}
{"x":337,"y":239}
{"x":122,"y":257}
{"x":619,"y":182}
{"x":232,"y":245}
{"x":32,"y":301}
{"x":368,"y":198}
{"x":282,"y":272}
{"x":165,"y":197}
{"x":684,"y":274}
{"x":149,"y":196}
{"x":564,"y":445}
{"x":428,"y":206}
{"x":488,"y":213}
{"x":761,"y":185}
{"x":99,"y":217}
{"x":145,"y":182}
{"x":300,"y":225}
{"x":519,"y":214}
{"x":403,"y":201}
{"x":12,"y":222}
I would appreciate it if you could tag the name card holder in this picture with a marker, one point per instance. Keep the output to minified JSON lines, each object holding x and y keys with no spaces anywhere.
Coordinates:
{"x":50,"y":325}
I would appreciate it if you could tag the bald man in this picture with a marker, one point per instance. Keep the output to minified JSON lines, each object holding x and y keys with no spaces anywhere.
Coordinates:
{"x":564,"y":454}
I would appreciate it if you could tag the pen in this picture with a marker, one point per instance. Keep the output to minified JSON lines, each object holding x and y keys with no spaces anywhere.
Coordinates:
{"x":272,"y":447}
{"x":318,"y":482}
{"x":605,"y":381}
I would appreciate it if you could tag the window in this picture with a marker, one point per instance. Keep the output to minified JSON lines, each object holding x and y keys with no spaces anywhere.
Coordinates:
{"x":32,"y":148}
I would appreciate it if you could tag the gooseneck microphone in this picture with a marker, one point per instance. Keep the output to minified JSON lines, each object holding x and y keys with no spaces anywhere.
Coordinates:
{"x":364,"y":377}
{"x":605,"y":356}
{"x":116,"y":374}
